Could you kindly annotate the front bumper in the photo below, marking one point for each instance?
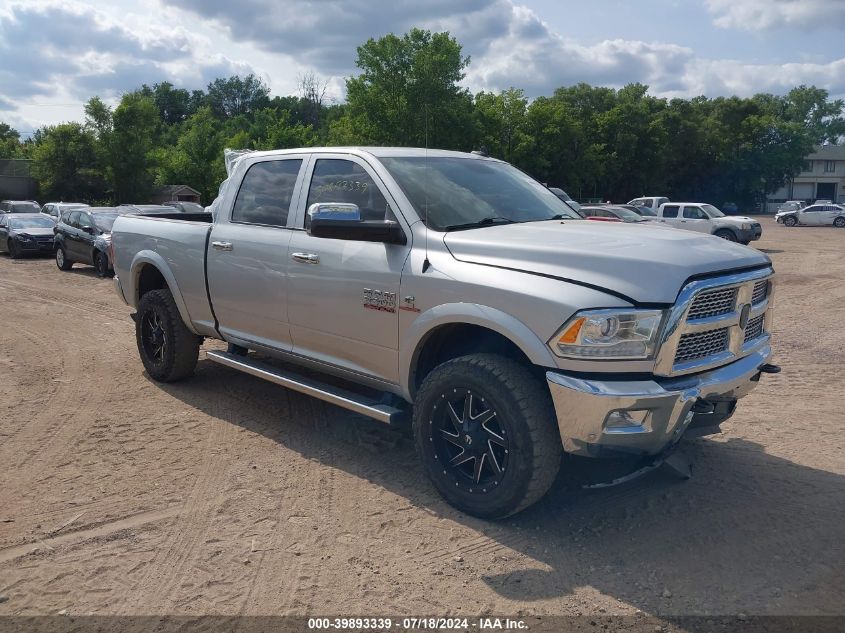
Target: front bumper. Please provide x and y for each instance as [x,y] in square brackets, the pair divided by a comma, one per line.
[598,417]
[752,234]
[34,246]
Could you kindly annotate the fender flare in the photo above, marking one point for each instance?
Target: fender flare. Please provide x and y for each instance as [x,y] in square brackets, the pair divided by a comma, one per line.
[468,314]
[151,258]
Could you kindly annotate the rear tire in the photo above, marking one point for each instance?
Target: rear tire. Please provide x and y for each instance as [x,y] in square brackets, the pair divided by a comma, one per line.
[789,221]
[168,349]
[101,264]
[839,222]
[504,452]
[726,234]
[61,259]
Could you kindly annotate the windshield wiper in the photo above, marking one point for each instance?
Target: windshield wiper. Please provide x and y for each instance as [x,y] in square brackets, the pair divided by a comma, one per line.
[496,219]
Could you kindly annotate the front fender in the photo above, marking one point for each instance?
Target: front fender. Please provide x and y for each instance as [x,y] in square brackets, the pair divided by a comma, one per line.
[151,258]
[473,314]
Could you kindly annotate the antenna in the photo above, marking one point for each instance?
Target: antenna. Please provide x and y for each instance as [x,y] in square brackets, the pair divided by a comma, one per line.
[426,263]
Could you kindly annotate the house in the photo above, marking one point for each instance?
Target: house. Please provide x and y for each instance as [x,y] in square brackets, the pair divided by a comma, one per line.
[822,178]
[176,192]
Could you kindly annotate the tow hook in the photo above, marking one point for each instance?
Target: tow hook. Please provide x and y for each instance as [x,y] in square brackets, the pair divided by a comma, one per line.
[768,368]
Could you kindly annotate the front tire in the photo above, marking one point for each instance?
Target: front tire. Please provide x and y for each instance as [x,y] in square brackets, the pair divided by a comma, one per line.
[14,253]
[168,349]
[61,259]
[839,223]
[726,234]
[789,221]
[101,264]
[485,429]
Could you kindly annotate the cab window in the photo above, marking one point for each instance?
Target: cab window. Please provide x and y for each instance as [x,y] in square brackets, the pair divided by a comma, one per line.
[694,213]
[85,221]
[337,180]
[671,211]
[72,219]
[266,193]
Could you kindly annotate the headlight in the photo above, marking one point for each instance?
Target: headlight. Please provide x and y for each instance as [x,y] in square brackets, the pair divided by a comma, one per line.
[23,237]
[609,334]
[746,226]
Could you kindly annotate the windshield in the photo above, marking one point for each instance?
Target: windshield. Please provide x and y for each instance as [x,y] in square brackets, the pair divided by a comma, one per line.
[104,221]
[712,211]
[450,192]
[25,207]
[31,223]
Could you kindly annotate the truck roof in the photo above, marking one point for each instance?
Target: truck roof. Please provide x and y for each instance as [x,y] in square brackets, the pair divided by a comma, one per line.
[378,152]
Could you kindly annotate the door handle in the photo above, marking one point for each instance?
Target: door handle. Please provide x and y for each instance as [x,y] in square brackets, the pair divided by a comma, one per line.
[305,258]
[222,246]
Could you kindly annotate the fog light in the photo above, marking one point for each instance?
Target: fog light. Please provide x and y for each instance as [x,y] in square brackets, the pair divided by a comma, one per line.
[622,419]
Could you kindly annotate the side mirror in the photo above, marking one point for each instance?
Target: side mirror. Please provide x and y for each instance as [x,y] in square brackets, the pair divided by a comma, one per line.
[342,221]
[88,229]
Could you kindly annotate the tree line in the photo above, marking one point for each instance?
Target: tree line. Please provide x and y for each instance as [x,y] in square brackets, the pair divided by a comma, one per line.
[595,142]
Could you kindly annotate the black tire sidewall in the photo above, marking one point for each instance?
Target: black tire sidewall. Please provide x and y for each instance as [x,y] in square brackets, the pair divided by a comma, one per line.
[505,498]
[157,302]
[66,265]
[790,222]
[13,250]
[839,223]
[102,271]
[726,234]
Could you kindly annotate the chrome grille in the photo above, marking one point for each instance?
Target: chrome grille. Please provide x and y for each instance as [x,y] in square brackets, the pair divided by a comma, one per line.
[712,303]
[761,289]
[754,328]
[701,345]
[704,328]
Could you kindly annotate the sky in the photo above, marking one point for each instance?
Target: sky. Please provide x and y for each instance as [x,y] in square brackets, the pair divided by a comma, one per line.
[54,55]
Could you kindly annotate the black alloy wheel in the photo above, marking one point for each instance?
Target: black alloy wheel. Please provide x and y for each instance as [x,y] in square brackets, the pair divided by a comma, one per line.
[471,442]
[153,337]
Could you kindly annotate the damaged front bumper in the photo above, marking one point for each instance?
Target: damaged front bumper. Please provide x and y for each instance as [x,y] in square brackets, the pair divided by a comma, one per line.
[602,417]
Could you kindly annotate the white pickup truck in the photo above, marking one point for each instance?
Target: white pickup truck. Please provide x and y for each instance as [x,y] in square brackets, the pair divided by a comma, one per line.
[705,218]
[461,291]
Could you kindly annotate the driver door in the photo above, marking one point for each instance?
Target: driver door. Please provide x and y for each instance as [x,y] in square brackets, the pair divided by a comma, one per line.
[344,294]
[695,219]
[810,215]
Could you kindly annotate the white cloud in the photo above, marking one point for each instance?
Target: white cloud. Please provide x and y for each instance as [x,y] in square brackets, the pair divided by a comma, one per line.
[761,15]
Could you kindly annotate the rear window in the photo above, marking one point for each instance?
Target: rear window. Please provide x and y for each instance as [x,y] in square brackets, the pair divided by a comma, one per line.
[105,221]
[266,193]
[25,207]
[671,211]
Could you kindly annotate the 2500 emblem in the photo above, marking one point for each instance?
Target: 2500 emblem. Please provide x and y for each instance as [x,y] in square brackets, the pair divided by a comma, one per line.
[379,300]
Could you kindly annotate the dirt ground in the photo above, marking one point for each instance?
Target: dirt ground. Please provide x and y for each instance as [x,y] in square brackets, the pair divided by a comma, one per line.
[227,495]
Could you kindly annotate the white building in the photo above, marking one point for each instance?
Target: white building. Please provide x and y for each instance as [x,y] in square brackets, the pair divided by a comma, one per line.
[823,178]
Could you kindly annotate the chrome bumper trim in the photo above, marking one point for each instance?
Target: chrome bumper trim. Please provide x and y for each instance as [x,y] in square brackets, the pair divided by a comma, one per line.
[582,406]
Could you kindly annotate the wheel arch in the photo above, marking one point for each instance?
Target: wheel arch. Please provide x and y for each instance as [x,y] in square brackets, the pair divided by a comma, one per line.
[149,272]
[453,330]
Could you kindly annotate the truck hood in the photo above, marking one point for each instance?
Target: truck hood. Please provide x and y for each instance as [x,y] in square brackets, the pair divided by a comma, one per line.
[737,219]
[646,263]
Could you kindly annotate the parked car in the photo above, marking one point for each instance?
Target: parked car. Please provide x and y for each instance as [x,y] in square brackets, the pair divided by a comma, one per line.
[651,202]
[560,193]
[185,207]
[611,213]
[646,212]
[19,206]
[84,236]
[54,209]
[705,218]
[508,327]
[814,215]
[25,233]
[151,209]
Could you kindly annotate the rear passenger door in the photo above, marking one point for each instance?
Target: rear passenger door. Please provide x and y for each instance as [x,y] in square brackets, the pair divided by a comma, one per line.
[669,215]
[248,255]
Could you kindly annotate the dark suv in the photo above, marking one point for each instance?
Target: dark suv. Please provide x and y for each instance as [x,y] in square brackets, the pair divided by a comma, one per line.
[84,235]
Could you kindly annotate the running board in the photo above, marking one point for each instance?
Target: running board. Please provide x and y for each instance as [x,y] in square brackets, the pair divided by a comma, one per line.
[333,395]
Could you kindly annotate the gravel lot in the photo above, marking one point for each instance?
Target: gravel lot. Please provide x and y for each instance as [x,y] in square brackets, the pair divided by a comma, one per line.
[225,494]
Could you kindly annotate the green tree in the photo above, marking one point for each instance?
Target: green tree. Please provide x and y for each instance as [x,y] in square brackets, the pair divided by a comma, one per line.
[237,95]
[65,164]
[10,144]
[135,122]
[197,158]
[408,92]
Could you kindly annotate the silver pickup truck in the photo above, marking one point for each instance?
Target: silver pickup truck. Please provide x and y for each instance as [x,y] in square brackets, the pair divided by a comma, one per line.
[454,289]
